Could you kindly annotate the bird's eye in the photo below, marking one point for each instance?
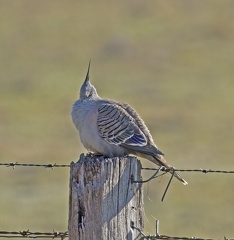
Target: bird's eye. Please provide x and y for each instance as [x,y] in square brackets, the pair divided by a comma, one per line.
[90,93]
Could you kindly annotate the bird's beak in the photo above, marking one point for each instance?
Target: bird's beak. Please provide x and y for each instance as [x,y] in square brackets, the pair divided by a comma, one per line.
[87,75]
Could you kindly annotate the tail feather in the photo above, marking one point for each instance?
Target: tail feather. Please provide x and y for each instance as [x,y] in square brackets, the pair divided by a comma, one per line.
[157,158]
[180,178]
[162,162]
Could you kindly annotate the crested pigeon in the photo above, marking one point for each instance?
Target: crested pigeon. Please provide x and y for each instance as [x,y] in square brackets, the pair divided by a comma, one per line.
[113,129]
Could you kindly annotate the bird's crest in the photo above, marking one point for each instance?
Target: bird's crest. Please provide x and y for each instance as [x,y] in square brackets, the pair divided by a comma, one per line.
[87,90]
[87,75]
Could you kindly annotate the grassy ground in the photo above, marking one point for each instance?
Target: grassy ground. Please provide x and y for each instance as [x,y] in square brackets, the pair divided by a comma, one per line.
[171,60]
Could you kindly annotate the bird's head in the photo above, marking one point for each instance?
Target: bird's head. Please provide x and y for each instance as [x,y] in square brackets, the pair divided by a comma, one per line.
[88,91]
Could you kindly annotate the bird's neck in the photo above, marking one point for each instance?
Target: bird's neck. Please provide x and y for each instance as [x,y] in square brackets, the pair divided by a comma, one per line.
[80,110]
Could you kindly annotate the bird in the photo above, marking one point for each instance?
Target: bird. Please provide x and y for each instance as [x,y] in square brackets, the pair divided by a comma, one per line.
[114,129]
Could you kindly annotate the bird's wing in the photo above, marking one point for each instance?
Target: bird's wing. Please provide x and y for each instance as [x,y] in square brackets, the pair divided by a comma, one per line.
[117,127]
[150,148]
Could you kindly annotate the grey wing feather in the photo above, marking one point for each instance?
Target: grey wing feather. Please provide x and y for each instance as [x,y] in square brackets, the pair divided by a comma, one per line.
[117,127]
[150,148]
[139,121]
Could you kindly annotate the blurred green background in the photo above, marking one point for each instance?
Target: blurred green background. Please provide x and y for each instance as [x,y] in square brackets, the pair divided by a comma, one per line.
[173,61]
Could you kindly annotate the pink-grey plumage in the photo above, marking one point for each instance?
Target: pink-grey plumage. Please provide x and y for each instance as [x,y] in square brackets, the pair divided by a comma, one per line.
[112,128]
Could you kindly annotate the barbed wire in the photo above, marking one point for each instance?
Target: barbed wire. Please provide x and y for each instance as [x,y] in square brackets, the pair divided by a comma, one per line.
[49,165]
[166,237]
[155,175]
[172,170]
[164,169]
[191,170]
[34,235]
[63,235]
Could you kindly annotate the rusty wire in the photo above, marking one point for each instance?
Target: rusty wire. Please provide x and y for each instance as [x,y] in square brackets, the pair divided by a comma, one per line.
[166,237]
[190,170]
[33,235]
[49,165]
[63,235]
[163,169]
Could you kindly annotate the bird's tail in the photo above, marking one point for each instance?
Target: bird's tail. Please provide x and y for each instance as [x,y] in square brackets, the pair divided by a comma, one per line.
[178,177]
[159,160]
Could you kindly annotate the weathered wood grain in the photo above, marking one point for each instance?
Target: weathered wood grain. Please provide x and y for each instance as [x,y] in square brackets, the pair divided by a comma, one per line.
[103,202]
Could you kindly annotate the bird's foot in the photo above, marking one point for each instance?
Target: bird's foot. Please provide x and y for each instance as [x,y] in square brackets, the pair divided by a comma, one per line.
[98,155]
[92,154]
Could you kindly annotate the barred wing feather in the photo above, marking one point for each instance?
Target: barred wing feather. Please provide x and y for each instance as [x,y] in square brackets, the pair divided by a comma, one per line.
[117,127]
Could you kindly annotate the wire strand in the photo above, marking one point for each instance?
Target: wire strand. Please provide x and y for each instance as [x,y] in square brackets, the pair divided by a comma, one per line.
[49,165]
[192,170]
[29,234]
[55,165]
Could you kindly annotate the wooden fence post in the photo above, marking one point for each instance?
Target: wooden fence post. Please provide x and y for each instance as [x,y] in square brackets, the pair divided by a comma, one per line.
[103,202]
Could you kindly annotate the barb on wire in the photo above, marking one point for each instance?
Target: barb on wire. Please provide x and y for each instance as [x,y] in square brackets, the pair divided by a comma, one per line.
[49,165]
[166,237]
[162,168]
[192,170]
[173,170]
[28,234]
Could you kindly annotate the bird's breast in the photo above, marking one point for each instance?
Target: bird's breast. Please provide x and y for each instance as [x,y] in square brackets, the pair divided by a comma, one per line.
[85,120]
